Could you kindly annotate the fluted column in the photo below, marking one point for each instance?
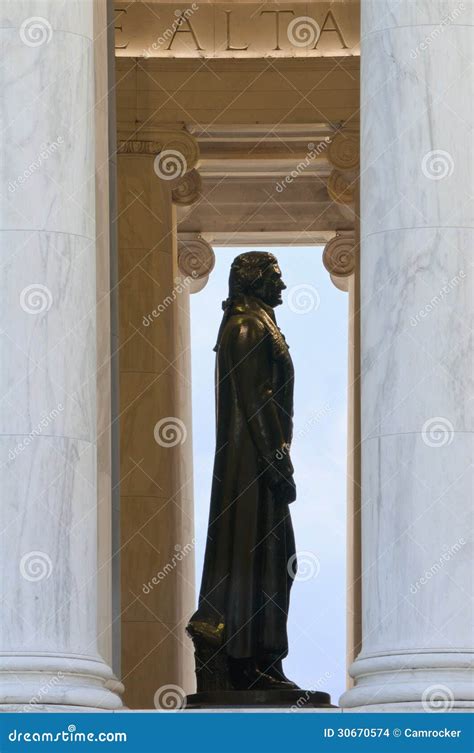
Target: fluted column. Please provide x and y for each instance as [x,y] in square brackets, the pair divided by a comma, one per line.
[157,528]
[416,355]
[48,449]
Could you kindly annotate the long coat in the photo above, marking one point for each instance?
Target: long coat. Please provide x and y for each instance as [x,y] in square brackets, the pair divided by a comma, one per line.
[250,552]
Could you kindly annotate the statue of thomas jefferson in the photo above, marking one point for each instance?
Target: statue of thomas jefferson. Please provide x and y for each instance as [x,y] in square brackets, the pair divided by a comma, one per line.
[240,627]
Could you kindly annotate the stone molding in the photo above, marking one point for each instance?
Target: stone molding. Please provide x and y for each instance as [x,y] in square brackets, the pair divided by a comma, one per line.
[155,141]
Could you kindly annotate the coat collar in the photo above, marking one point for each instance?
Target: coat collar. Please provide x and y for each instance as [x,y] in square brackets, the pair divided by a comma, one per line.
[245,304]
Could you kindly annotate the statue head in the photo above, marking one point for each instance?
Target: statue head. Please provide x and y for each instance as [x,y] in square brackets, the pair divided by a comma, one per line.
[256,273]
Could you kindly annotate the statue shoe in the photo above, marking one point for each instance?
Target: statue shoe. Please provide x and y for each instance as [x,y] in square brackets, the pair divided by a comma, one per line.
[264,681]
[281,679]
[246,676]
[273,668]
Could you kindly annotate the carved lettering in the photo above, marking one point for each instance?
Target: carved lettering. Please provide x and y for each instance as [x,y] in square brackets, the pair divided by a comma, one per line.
[335,30]
[238,34]
[277,23]
[229,45]
[120,28]
[181,20]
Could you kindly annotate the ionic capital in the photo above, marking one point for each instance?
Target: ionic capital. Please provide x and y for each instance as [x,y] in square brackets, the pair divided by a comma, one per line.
[196,259]
[188,189]
[343,150]
[339,258]
[176,151]
[341,187]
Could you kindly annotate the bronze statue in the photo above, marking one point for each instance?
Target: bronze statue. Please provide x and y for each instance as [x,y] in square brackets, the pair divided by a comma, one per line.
[240,627]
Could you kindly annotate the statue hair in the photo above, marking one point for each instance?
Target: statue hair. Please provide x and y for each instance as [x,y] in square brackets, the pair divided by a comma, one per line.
[247,270]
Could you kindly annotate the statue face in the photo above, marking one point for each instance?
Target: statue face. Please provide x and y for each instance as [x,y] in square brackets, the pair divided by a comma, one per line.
[271,286]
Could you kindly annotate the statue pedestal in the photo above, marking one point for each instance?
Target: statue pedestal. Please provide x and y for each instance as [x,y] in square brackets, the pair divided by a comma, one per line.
[294,699]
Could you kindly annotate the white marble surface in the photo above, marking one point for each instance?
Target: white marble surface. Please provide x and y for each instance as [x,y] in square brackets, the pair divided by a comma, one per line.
[47,119]
[415,107]
[47,310]
[48,454]
[416,320]
[383,14]
[417,546]
[417,223]
[62,15]
[48,507]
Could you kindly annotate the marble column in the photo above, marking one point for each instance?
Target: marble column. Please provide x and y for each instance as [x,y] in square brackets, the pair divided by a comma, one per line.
[157,528]
[416,358]
[48,419]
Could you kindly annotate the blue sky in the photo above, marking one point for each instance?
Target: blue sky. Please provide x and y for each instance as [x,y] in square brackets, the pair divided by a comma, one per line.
[313,318]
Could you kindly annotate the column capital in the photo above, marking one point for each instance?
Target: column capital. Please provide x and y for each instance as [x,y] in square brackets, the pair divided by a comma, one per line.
[196,259]
[343,151]
[341,187]
[178,150]
[187,189]
[344,155]
[339,258]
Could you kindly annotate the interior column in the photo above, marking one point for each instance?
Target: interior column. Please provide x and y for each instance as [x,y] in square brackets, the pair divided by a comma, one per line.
[157,531]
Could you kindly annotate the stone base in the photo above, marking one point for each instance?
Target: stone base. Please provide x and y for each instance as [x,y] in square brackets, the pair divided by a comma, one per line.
[299,699]
[57,682]
[421,681]
[458,707]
